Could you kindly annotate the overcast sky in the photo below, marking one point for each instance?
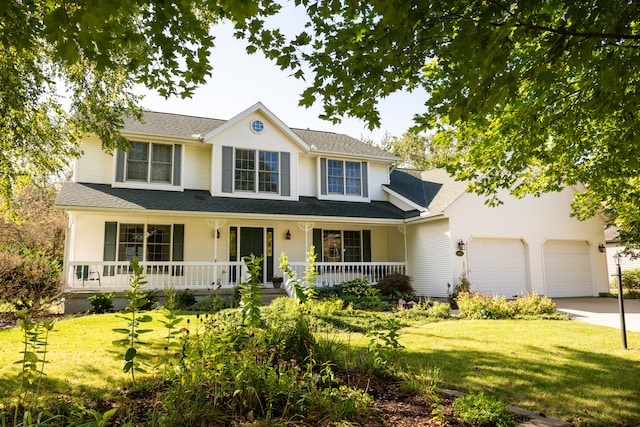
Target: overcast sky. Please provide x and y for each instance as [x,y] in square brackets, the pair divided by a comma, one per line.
[240,80]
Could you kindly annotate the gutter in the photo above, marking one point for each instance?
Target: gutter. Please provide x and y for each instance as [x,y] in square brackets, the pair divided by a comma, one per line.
[235,215]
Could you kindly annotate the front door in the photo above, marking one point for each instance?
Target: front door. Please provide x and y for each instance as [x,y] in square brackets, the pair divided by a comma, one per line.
[252,242]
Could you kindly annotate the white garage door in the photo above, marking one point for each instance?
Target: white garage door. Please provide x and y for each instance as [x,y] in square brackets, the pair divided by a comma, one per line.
[497,266]
[567,268]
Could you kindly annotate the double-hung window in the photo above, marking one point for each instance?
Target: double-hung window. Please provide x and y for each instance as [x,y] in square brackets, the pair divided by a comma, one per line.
[150,242]
[344,177]
[148,162]
[342,246]
[256,171]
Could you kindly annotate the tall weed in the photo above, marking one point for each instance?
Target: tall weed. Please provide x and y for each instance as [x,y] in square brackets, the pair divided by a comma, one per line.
[137,299]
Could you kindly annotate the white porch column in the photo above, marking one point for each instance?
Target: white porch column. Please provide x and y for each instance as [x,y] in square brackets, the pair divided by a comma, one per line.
[403,230]
[215,225]
[69,244]
[306,227]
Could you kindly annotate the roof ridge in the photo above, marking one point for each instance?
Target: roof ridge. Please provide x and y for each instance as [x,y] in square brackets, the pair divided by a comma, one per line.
[184,115]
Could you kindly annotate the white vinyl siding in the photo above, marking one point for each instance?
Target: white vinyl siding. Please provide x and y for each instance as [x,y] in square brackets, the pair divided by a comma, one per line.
[430,258]
[197,167]
[94,166]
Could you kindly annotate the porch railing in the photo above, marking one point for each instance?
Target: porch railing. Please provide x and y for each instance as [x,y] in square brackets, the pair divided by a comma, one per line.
[91,275]
[333,273]
[159,275]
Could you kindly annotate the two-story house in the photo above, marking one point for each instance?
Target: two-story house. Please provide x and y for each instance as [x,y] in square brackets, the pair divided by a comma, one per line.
[193,196]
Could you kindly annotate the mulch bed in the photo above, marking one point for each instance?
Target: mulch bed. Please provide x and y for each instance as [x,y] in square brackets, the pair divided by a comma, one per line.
[396,407]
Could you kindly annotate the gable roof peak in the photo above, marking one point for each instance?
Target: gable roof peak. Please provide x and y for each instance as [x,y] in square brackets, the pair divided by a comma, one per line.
[259,106]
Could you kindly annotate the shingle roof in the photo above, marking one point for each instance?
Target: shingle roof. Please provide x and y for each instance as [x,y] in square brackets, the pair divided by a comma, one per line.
[434,189]
[103,196]
[177,125]
[340,143]
[167,124]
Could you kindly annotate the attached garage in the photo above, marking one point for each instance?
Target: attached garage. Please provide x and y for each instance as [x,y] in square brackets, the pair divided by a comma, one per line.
[498,266]
[567,268]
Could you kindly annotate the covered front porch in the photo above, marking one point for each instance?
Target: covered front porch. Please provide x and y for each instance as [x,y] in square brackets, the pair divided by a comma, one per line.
[92,276]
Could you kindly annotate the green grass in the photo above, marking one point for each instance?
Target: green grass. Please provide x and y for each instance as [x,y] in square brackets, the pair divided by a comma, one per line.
[570,370]
[81,356]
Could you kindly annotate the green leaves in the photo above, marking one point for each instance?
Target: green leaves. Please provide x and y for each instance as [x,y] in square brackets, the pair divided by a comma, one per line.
[531,97]
[96,52]
[137,299]
[250,295]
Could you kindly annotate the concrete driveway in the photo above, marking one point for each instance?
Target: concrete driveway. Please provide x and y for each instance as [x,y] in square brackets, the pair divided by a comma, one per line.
[601,311]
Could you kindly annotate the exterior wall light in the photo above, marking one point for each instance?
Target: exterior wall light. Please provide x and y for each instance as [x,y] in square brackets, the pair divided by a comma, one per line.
[287,235]
[217,234]
[601,248]
[461,245]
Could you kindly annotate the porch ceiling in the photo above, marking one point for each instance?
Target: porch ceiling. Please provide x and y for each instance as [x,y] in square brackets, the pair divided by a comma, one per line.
[102,196]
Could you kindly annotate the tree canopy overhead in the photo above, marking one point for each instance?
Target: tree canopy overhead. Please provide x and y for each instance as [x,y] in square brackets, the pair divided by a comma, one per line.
[525,95]
[96,51]
[532,95]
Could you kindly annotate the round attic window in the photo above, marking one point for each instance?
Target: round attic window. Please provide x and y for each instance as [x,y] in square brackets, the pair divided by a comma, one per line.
[257,126]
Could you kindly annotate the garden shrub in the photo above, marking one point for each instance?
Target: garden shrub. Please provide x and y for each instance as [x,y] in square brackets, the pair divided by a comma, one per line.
[533,305]
[215,303]
[359,293]
[185,299]
[479,306]
[439,310]
[631,279]
[463,286]
[152,300]
[28,275]
[357,288]
[426,309]
[483,410]
[261,373]
[101,303]
[395,285]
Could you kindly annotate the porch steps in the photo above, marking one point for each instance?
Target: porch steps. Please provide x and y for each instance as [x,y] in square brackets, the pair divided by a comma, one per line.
[269,294]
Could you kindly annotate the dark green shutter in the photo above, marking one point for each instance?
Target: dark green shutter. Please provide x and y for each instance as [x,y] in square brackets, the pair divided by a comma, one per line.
[323,176]
[366,245]
[317,242]
[365,180]
[285,174]
[227,169]
[109,251]
[178,249]
[119,166]
[177,164]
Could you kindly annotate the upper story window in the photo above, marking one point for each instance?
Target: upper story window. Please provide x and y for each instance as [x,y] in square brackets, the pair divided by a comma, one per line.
[344,177]
[256,171]
[257,126]
[148,162]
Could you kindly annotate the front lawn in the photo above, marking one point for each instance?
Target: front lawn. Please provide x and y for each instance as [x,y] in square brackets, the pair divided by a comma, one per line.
[565,369]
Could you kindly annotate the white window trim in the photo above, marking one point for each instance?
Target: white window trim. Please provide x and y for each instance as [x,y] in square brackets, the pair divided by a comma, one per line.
[256,173]
[142,185]
[339,196]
